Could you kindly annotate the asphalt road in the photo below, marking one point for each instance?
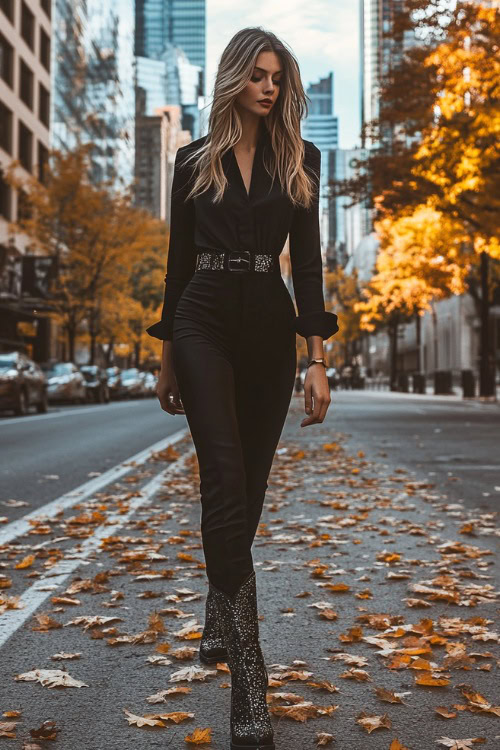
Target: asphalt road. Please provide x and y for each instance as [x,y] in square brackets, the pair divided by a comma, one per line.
[383,441]
[451,442]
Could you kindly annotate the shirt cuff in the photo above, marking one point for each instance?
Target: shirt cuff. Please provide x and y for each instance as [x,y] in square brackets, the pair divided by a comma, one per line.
[160,330]
[319,323]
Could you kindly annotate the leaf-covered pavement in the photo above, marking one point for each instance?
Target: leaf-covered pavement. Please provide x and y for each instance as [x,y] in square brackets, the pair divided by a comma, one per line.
[377,598]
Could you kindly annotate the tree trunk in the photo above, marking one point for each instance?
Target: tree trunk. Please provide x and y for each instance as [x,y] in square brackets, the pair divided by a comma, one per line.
[418,325]
[486,373]
[393,341]
[137,354]
[435,335]
[109,352]
[71,342]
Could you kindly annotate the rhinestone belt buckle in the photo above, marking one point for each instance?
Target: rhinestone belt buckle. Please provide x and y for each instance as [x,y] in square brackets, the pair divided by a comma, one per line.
[239,260]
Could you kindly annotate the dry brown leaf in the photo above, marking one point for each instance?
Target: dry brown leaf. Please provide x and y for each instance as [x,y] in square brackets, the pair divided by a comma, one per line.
[48,731]
[324,738]
[445,712]
[142,721]
[431,680]
[26,562]
[175,716]
[396,745]
[388,695]
[356,674]
[8,729]
[62,656]
[50,678]
[370,722]
[324,685]
[46,622]
[460,744]
[199,737]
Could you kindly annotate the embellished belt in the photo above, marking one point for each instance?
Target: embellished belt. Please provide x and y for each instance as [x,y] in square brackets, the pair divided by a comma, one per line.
[234,260]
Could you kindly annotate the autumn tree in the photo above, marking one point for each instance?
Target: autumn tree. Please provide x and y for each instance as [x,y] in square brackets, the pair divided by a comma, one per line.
[437,134]
[420,261]
[95,236]
[342,290]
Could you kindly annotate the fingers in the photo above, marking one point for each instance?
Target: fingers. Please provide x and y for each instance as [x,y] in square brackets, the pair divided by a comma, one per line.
[170,400]
[316,406]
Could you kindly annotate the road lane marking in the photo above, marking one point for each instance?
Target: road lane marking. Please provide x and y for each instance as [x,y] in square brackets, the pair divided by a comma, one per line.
[52,508]
[32,598]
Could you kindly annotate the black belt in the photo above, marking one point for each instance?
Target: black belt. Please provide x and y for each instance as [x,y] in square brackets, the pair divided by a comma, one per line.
[235,260]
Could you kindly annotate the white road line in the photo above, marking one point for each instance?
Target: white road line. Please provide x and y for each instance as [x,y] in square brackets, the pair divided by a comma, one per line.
[49,510]
[32,598]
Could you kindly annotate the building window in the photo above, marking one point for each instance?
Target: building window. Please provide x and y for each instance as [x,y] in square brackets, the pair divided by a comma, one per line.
[43,157]
[7,6]
[25,84]
[43,105]
[6,60]
[5,198]
[5,128]
[44,49]
[25,148]
[46,6]
[27,25]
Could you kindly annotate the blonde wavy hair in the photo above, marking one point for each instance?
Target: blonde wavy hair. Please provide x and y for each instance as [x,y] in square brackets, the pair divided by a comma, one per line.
[235,69]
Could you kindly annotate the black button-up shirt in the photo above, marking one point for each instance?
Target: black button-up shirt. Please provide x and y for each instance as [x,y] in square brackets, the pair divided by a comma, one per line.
[258,221]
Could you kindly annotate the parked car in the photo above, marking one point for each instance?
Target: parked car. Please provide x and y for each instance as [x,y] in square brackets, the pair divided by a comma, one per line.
[115,385]
[133,383]
[65,382]
[96,383]
[22,384]
[150,381]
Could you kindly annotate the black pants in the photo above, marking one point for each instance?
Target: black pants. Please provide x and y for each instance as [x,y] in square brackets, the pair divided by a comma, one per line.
[234,357]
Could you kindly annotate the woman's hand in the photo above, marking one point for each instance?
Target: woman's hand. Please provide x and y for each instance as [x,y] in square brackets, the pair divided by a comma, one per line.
[316,395]
[167,391]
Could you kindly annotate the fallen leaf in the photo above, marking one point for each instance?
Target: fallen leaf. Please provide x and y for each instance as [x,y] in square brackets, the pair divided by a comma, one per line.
[460,744]
[142,721]
[48,731]
[8,729]
[445,712]
[26,562]
[50,678]
[199,737]
[324,738]
[370,722]
[388,695]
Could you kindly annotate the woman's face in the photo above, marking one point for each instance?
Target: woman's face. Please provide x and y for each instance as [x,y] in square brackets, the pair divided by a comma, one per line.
[263,85]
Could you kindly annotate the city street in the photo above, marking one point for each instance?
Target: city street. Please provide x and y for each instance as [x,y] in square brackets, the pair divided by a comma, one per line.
[376,584]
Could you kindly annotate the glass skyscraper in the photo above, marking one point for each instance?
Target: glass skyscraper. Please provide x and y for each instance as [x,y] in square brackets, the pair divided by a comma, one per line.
[181,23]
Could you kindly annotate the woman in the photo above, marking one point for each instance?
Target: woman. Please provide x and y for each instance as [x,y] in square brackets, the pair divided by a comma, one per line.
[228,325]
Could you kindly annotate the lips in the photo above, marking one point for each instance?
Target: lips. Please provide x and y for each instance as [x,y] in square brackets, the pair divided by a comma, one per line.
[265,101]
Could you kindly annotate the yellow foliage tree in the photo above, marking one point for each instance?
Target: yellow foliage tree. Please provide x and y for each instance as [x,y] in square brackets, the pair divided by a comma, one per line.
[95,236]
[421,260]
[342,289]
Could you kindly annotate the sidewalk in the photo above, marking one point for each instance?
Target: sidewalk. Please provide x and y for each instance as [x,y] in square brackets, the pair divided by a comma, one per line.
[375,594]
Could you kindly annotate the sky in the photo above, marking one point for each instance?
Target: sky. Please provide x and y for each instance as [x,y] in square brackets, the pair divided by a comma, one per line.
[323,34]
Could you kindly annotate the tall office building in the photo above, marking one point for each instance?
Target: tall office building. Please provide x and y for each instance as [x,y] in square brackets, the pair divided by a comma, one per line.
[93,83]
[25,91]
[182,23]
[321,127]
[378,52]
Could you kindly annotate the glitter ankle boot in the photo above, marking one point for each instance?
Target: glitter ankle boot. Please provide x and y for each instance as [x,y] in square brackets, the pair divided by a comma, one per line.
[212,646]
[250,721]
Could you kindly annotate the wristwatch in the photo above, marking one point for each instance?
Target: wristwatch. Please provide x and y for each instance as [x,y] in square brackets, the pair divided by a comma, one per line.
[319,360]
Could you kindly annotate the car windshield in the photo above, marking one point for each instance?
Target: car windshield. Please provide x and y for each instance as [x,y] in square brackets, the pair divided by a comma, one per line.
[61,368]
[89,374]
[132,373]
[7,363]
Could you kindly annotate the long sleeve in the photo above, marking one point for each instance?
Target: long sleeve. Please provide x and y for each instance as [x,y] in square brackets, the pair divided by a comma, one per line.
[181,255]
[306,261]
